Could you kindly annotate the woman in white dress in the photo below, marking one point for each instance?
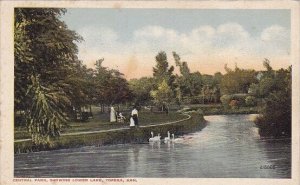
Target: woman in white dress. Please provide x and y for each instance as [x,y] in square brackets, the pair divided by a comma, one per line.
[131,122]
[113,117]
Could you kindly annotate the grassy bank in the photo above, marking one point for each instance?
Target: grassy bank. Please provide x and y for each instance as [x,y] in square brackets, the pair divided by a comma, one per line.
[100,121]
[135,135]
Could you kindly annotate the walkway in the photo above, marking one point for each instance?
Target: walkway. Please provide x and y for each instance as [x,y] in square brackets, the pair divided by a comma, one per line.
[112,130]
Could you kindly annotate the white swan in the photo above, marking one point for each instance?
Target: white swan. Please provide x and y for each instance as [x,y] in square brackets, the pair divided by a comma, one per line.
[157,138]
[152,138]
[177,140]
[167,139]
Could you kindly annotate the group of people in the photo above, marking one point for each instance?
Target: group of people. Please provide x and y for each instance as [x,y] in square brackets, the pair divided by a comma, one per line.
[134,121]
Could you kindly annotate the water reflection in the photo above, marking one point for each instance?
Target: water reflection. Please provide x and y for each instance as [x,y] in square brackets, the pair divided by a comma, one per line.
[228,147]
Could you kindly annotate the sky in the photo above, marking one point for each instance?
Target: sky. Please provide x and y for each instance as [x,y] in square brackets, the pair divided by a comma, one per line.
[129,39]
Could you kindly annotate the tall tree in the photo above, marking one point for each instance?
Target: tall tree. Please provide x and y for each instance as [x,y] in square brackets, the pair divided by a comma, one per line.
[162,71]
[111,87]
[45,57]
[189,83]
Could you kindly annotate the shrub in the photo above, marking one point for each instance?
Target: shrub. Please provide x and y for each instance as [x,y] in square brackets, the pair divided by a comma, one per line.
[251,101]
[240,100]
[233,104]
[225,99]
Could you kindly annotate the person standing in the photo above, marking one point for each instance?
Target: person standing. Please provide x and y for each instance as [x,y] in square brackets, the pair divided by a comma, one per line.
[131,122]
[113,117]
[134,114]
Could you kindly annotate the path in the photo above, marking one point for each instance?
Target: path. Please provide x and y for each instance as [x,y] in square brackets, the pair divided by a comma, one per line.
[112,130]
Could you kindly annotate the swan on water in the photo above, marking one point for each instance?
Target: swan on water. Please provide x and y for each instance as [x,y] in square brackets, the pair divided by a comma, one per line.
[177,140]
[157,138]
[154,139]
[151,139]
[167,139]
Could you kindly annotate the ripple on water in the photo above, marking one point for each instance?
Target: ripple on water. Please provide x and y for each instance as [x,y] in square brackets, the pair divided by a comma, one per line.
[229,146]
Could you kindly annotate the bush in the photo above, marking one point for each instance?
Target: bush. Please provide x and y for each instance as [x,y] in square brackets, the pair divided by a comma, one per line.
[233,104]
[251,101]
[240,99]
[225,99]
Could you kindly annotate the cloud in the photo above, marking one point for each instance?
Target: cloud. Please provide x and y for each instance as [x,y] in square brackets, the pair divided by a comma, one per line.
[275,39]
[275,33]
[202,45]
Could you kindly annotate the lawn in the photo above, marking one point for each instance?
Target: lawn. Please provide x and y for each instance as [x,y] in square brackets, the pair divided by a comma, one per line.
[100,121]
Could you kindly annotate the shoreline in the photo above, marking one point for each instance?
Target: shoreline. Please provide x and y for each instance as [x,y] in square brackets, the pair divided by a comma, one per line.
[192,123]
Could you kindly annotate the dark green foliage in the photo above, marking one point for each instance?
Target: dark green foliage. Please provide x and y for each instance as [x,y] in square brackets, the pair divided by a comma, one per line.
[164,92]
[110,86]
[162,71]
[275,119]
[237,80]
[141,89]
[45,57]
[250,101]
[189,84]
[163,96]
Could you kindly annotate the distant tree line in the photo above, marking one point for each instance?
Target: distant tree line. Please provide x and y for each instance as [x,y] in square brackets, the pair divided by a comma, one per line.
[166,88]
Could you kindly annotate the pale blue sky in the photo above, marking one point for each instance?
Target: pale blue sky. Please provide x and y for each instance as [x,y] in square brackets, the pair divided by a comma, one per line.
[125,21]
[207,39]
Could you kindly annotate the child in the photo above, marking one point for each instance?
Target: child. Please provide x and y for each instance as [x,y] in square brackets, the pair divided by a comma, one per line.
[131,122]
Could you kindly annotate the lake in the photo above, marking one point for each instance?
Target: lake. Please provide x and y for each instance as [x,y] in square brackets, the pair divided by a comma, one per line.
[229,146]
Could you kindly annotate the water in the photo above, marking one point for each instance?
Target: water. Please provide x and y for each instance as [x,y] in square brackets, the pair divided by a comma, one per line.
[229,146]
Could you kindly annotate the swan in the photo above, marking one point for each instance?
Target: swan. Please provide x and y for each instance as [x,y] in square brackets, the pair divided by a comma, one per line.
[167,139]
[154,139]
[177,140]
[157,138]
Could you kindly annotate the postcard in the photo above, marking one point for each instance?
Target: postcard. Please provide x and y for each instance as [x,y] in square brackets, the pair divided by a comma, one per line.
[150,92]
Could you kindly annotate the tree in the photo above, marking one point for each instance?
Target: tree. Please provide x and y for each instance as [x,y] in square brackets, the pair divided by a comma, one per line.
[110,86]
[275,90]
[268,82]
[162,71]
[183,67]
[190,84]
[237,80]
[163,95]
[141,89]
[45,56]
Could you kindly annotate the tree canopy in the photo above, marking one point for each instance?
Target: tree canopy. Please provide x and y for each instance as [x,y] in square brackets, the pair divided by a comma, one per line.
[274,88]
[237,80]
[190,84]
[162,71]
[45,54]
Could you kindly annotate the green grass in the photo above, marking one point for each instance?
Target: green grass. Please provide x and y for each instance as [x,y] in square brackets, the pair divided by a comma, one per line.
[134,135]
[100,121]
